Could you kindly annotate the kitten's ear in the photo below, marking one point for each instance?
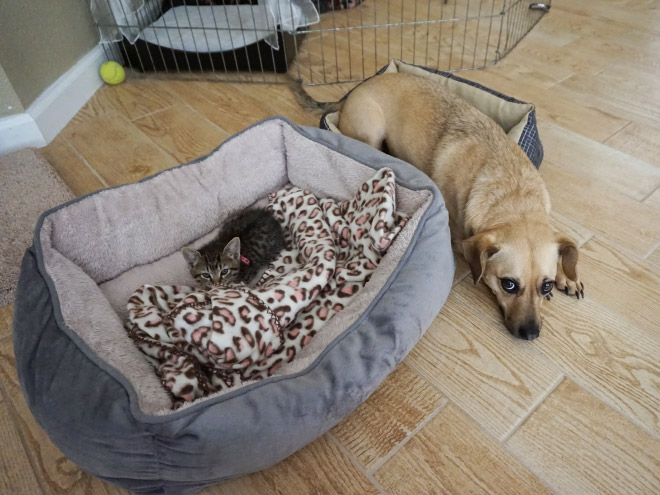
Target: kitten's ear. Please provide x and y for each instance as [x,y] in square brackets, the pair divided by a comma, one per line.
[233,249]
[191,255]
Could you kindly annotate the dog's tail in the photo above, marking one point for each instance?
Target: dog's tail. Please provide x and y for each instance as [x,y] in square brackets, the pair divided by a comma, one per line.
[306,101]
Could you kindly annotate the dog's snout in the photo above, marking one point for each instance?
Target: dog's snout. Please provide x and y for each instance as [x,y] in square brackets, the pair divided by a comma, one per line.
[529,331]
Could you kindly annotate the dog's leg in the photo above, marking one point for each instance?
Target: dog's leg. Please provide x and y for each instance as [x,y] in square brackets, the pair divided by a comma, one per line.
[566,285]
[363,119]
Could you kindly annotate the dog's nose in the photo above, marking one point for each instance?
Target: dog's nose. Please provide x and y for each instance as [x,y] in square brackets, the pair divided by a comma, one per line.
[529,331]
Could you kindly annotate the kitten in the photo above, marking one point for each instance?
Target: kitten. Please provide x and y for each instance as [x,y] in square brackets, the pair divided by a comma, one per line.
[246,244]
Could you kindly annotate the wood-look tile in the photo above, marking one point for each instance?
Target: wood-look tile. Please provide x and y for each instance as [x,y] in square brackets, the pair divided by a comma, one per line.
[470,357]
[117,150]
[653,200]
[610,355]
[635,84]
[570,228]
[74,171]
[622,282]
[182,132]
[578,445]
[634,47]
[624,173]
[99,104]
[452,455]
[321,468]
[535,73]
[136,98]
[549,36]
[221,103]
[57,474]
[639,140]
[462,268]
[280,97]
[394,410]
[634,15]
[16,474]
[607,96]
[584,23]
[6,320]
[588,120]
[587,64]
[654,257]
[589,9]
[599,208]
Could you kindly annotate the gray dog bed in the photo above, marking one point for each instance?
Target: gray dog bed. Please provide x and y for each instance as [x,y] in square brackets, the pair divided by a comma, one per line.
[97,397]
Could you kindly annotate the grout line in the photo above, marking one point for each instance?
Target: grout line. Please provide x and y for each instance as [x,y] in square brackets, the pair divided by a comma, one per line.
[149,114]
[649,195]
[533,471]
[609,403]
[205,118]
[653,249]
[579,383]
[498,443]
[557,83]
[624,250]
[598,73]
[77,153]
[459,280]
[356,463]
[532,409]
[152,141]
[589,237]
[614,134]
[383,460]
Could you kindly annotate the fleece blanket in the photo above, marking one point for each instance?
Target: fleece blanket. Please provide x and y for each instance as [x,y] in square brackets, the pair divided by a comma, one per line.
[201,342]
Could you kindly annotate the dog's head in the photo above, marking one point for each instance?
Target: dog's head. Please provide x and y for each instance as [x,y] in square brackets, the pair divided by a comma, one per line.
[518,262]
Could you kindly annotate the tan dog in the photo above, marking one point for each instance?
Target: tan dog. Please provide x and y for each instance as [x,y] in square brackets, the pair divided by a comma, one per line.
[497,202]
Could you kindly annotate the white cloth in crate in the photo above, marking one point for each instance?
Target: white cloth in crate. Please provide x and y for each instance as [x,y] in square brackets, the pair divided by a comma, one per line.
[201,28]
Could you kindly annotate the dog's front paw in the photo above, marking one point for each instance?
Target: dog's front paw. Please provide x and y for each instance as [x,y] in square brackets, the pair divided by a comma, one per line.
[569,287]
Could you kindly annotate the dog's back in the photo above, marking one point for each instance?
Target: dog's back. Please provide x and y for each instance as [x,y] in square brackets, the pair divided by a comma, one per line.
[413,116]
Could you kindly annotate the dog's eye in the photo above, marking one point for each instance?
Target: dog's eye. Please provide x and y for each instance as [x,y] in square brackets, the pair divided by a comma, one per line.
[206,275]
[547,287]
[224,271]
[509,285]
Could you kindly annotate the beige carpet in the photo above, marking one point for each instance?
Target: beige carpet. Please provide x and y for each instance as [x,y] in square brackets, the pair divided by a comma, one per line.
[28,187]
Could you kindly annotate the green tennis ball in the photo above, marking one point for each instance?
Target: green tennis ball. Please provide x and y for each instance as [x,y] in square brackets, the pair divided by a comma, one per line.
[112,73]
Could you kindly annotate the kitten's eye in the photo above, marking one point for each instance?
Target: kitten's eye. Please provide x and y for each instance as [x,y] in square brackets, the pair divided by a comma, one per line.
[206,275]
[509,285]
[547,287]
[224,271]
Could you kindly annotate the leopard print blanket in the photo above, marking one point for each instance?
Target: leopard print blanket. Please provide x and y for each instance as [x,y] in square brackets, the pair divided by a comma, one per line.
[201,342]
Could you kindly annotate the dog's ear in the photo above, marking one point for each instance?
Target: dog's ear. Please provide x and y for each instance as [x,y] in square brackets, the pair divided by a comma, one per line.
[477,249]
[569,256]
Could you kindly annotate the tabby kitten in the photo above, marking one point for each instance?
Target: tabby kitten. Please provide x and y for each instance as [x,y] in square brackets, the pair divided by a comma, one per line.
[246,244]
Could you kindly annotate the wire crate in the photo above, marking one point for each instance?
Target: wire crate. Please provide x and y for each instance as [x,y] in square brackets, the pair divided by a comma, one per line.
[318,41]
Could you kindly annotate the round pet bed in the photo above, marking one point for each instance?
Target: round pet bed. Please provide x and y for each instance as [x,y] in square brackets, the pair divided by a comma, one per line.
[97,397]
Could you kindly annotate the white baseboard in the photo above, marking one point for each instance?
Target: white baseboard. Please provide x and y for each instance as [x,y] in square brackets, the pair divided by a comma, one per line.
[55,107]
[19,131]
